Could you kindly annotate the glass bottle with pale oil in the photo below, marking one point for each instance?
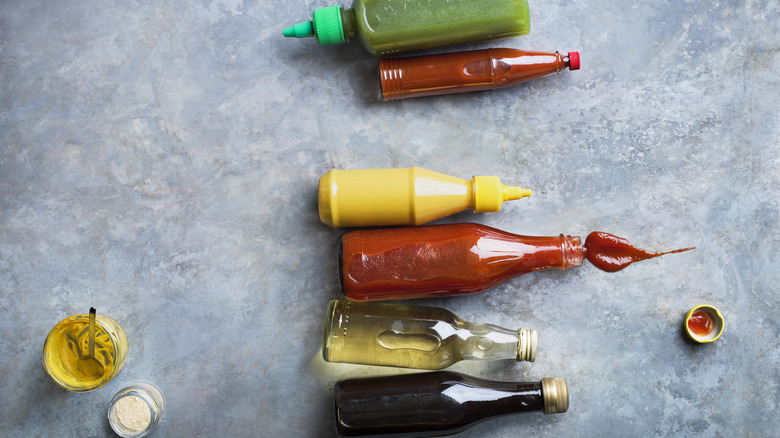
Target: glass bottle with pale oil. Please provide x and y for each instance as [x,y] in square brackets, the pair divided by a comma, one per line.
[416,337]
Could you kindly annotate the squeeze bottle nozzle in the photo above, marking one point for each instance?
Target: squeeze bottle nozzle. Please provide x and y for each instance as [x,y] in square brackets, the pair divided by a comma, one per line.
[512,193]
[489,193]
[325,25]
[300,30]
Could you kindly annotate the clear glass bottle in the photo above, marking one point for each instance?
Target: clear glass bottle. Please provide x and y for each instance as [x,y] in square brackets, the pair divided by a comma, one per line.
[385,27]
[416,337]
[438,403]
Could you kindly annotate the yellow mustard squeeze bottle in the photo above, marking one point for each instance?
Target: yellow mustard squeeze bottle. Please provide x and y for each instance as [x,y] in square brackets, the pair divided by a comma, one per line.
[408,196]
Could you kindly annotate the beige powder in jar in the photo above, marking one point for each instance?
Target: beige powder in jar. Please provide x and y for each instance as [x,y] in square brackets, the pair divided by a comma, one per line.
[132,413]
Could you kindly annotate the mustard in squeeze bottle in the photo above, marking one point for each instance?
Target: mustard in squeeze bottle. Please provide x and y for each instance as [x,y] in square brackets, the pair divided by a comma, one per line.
[408,196]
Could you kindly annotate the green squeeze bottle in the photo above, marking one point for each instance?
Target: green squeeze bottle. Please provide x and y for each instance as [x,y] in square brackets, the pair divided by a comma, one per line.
[387,27]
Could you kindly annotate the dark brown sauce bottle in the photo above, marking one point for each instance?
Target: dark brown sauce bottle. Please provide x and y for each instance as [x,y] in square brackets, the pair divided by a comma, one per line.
[438,403]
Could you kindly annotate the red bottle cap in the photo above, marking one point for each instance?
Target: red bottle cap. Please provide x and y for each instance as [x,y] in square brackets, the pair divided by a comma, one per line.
[574,60]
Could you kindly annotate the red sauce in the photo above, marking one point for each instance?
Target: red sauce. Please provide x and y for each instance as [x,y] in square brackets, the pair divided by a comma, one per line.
[438,260]
[456,259]
[457,72]
[611,253]
[700,323]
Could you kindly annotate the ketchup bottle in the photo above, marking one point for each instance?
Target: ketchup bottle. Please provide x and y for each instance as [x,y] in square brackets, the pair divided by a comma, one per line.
[467,71]
[456,259]
[439,260]
[438,403]
[385,27]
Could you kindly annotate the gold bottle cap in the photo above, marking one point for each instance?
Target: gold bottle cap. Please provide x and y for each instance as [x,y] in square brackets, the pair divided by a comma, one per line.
[526,348]
[555,394]
[704,323]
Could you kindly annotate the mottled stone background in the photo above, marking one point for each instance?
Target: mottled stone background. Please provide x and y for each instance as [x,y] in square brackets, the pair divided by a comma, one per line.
[159,161]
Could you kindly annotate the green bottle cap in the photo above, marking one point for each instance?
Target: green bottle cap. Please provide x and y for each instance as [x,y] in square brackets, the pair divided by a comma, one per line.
[325,25]
[328,26]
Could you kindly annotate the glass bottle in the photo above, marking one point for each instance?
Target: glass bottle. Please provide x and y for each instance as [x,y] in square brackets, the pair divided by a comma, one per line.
[475,70]
[405,196]
[443,260]
[438,403]
[416,337]
[385,27]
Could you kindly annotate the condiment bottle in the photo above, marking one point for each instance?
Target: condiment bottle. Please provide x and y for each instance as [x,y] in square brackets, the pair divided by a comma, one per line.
[442,260]
[416,337]
[386,27]
[467,71]
[438,403]
[409,196]
[456,259]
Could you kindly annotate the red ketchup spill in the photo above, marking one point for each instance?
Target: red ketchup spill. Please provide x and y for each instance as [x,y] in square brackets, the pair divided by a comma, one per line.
[701,323]
[612,253]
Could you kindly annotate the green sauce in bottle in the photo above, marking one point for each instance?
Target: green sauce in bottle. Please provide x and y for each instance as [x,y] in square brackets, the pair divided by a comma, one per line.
[387,27]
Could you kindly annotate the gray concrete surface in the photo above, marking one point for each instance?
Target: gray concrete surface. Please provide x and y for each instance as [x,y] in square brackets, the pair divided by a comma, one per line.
[159,162]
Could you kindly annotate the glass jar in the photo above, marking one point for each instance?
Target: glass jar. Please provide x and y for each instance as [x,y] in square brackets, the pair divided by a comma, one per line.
[136,410]
[68,342]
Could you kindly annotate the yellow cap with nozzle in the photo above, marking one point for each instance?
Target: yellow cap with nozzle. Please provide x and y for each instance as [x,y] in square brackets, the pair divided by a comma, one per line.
[489,193]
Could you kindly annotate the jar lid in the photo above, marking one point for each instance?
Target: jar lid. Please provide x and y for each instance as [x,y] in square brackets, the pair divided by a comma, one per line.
[704,323]
[526,347]
[556,395]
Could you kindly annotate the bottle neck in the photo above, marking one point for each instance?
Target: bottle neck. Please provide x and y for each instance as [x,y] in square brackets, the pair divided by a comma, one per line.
[561,62]
[523,66]
[550,395]
[490,342]
[503,254]
[501,398]
[572,251]
[349,23]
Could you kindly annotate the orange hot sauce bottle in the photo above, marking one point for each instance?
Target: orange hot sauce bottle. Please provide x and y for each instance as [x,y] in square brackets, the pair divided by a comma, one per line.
[457,259]
[459,72]
[444,260]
